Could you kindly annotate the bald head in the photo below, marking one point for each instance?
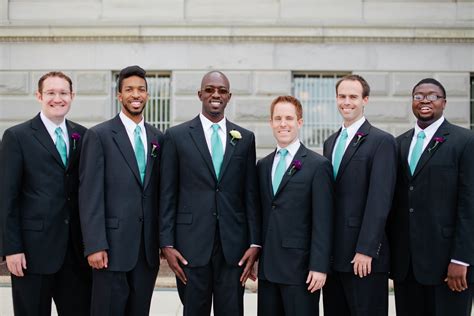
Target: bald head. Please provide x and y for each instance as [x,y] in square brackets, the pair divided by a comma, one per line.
[214,75]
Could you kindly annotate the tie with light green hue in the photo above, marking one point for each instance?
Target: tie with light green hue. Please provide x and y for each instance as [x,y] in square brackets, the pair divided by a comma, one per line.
[217,149]
[61,145]
[339,153]
[139,152]
[417,150]
[279,170]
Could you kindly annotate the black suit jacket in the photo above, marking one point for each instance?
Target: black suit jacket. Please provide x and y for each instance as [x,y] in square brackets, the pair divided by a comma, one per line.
[432,219]
[297,220]
[194,202]
[363,195]
[38,196]
[117,211]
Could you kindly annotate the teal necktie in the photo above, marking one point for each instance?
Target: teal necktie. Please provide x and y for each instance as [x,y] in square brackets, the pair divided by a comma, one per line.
[279,170]
[139,152]
[339,153]
[417,150]
[217,150]
[61,145]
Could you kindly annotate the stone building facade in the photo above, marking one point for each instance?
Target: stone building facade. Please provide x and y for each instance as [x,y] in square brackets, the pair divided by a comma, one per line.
[262,46]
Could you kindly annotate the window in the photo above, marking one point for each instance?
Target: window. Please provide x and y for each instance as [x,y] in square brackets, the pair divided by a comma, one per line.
[157,110]
[316,92]
[472,101]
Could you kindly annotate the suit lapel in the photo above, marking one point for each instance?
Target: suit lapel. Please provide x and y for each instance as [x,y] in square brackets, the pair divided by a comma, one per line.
[353,146]
[330,145]
[431,149]
[300,155]
[268,173]
[73,144]
[41,134]
[229,148]
[404,150]
[123,143]
[150,138]
[197,134]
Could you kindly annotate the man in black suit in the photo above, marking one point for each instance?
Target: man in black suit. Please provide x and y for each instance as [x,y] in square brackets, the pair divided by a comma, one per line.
[431,225]
[209,213]
[118,203]
[40,231]
[364,163]
[296,193]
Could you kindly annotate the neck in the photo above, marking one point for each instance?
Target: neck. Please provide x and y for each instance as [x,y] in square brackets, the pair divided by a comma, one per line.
[424,124]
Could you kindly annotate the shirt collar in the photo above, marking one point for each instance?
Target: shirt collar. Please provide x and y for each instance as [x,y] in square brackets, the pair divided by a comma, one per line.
[51,126]
[430,130]
[292,148]
[131,125]
[206,123]
[352,130]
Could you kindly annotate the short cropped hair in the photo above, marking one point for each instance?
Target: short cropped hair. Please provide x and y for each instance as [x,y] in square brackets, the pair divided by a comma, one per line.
[365,85]
[129,72]
[51,74]
[287,99]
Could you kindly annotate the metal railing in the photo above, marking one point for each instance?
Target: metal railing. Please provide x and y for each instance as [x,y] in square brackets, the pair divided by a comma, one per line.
[317,95]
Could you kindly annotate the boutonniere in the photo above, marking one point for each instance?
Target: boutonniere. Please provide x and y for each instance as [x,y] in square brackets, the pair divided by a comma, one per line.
[155,146]
[360,138]
[75,138]
[295,166]
[437,141]
[235,135]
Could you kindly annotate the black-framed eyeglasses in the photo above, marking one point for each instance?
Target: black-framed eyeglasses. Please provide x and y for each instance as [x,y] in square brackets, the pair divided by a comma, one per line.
[430,97]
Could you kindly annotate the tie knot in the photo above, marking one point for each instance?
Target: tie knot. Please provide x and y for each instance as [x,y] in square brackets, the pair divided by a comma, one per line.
[283,152]
[421,135]
[215,127]
[344,134]
[138,130]
[58,131]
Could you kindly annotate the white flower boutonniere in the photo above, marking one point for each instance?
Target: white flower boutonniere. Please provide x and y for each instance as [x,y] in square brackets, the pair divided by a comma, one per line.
[235,136]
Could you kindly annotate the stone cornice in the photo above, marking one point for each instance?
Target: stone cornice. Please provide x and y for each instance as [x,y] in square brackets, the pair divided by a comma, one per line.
[350,34]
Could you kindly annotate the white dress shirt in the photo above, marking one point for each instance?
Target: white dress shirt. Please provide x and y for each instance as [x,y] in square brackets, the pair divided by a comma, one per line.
[429,133]
[292,149]
[207,127]
[130,128]
[51,128]
[351,131]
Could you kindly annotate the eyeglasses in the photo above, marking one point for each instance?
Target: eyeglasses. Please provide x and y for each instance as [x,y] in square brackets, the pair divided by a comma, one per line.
[60,94]
[211,90]
[430,97]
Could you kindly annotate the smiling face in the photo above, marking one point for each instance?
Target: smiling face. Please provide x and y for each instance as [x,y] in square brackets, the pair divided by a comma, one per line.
[133,97]
[285,123]
[214,95]
[55,98]
[426,111]
[350,102]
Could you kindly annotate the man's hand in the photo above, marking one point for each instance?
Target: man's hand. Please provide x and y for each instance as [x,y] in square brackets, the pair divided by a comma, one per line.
[174,258]
[16,263]
[456,277]
[98,260]
[249,258]
[315,281]
[362,265]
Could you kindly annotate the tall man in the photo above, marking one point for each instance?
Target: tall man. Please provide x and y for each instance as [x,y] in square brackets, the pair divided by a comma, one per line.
[364,163]
[40,231]
[209,222]
[118,203]
[296,193]
[431,225]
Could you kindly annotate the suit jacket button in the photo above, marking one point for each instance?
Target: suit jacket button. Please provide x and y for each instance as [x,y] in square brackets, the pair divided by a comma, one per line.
[140,219]
[217,190]
[274,206]
[66,221]
[411,188]
[411,210]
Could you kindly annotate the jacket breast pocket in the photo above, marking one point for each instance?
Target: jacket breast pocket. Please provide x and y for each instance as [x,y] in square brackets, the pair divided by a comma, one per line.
[32,224]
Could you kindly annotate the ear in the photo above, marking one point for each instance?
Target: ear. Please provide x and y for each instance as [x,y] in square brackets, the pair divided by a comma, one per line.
[300,122]
[200,95]
[365,100]
[39,96]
